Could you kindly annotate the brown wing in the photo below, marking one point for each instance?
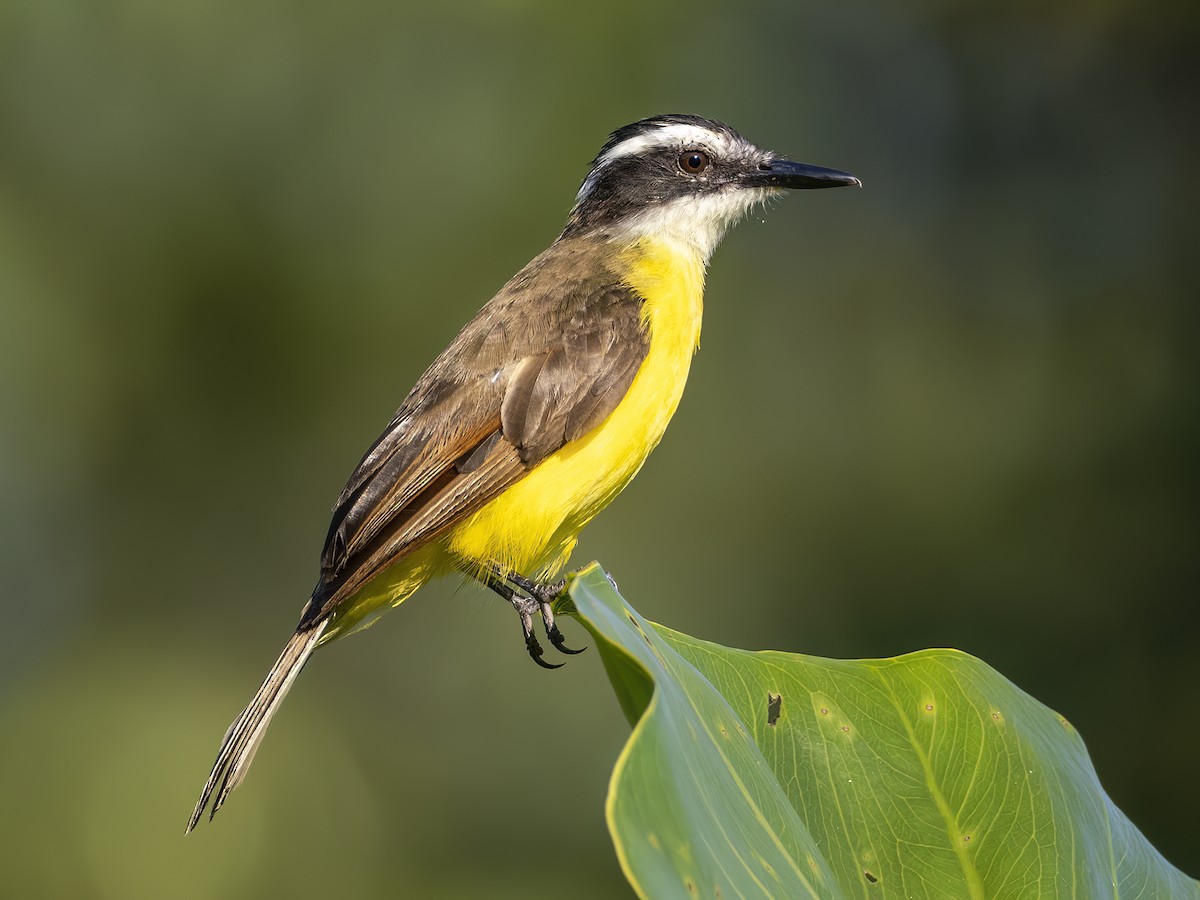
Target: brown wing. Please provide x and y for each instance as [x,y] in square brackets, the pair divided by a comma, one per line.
[542,364]
[564,392]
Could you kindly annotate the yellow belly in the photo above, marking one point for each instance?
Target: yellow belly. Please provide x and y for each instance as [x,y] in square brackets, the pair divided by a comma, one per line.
[532,527]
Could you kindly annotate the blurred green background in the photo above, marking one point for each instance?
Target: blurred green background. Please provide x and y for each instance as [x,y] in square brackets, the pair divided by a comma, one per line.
[956,408]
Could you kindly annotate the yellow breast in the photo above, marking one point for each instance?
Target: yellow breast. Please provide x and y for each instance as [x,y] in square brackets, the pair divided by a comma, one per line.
[532,527]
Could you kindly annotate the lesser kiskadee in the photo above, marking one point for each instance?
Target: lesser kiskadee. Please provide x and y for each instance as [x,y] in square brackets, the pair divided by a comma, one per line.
[542,408]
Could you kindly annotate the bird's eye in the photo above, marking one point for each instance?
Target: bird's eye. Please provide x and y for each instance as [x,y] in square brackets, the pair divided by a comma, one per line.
[693,162]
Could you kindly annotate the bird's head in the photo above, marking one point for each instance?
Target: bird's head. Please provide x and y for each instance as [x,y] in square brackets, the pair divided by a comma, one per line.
[684,178]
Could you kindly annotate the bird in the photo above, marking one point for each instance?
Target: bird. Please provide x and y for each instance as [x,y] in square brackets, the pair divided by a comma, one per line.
[542,408]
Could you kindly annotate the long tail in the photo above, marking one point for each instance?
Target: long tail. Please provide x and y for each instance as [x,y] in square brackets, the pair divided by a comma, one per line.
[246,732]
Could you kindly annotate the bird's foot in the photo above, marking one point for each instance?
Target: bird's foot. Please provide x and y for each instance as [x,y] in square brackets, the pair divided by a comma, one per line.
[535,598]
[526,607]
[544,595]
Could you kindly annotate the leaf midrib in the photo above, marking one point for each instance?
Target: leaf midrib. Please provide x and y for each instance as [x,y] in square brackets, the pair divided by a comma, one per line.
[971,875]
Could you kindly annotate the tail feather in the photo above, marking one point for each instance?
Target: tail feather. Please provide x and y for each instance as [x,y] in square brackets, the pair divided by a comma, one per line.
[244,735]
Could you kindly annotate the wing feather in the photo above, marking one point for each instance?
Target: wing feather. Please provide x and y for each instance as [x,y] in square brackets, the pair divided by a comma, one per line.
[542,364]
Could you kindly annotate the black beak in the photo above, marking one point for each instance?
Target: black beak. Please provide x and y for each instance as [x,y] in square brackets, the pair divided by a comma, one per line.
[783,173]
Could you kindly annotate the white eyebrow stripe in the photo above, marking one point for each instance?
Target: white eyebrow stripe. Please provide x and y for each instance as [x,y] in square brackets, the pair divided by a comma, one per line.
[676,135]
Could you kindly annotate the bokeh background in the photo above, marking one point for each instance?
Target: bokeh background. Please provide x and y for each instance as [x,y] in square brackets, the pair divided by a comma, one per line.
[956,408]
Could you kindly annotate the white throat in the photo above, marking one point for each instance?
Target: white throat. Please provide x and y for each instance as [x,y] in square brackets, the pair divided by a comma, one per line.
[698,221]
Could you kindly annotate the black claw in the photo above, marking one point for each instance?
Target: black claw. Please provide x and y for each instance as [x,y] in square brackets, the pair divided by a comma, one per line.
[535,653]
[532,645]
[552,631]
[557,639]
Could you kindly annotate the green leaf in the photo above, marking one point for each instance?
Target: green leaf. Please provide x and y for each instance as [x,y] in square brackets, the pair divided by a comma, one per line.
[786,776]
